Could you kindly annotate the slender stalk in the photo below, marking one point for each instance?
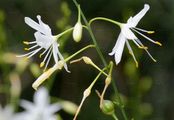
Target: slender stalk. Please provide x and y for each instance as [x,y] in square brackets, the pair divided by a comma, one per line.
[102,58]
[64,32]
[104,19]
[70,57]
[115,117]
[91,34]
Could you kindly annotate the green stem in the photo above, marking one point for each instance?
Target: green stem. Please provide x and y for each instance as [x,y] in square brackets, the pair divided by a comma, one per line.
[70,57]
[103,59]
[105,19]
[64,32]
[95,66]
[94,81]
[79,14]
[114,116]
[91,34]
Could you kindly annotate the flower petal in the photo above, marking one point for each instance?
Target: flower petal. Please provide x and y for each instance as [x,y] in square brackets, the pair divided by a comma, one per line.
[27,105]
[33,24]
[133,21]
[54,108]
[57,52]
[118,48]
[45,28]
[43,40]
[41,98]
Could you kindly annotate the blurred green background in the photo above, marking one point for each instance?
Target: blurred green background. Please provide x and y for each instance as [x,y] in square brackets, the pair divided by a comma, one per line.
[147,91]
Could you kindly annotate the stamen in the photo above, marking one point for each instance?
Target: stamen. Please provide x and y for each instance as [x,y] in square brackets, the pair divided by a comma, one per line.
[147,31]
[26,49]
[151,32]
[150,56]
[30,48]
[48,61]
[146,50]
[35,51]
[143,47]
[43,53]
[140,43]
[43,62]
[28,43]
[156,42]
[26,54]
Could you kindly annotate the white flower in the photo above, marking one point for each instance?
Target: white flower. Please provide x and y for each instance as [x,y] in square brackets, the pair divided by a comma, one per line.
[127,34]
[6,113]
[44,41]
[41,109]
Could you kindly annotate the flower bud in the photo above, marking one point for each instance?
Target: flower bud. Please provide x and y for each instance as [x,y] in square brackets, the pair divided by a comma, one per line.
[87,60]
[107,107]
[77,32]
[47,74]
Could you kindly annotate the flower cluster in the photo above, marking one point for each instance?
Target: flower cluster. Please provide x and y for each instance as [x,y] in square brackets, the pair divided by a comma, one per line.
[46,42]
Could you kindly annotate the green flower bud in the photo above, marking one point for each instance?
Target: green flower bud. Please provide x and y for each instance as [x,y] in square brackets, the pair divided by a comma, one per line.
[107,107]
[77,32]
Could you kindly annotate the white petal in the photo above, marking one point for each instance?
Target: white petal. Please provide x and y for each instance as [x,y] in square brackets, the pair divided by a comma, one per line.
[55,52]
[54,108]
[45,28]
[43,40]
[65,65]
[41,97]
[133,21]
[127,32]
[33,24]
[27,105]
[118,48]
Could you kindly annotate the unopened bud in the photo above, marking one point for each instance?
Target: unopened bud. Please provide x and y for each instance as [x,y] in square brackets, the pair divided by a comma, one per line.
[47,74]
[107,107]
[87,60]
[108,80]
[77,32]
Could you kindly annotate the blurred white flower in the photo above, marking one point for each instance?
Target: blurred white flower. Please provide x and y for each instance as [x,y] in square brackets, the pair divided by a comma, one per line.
[41,109]
[44,40]
[6,113]
[127,34]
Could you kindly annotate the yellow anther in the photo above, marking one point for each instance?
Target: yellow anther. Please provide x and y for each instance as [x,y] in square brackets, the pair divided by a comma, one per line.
[40,55]
[158,43]
[25,42]
[143,47]
[26,49]
[154,60]
[26,58]
[136,64]
[42,64]
[151,32]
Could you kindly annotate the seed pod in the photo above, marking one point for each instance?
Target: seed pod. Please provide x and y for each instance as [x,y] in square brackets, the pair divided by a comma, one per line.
[107,107]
